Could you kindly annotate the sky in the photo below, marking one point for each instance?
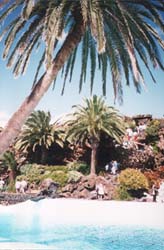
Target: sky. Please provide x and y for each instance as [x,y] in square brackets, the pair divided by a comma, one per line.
[13,92]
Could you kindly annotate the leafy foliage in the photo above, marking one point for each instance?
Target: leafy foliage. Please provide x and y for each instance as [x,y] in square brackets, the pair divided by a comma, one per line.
[81,167]
[74,176]
[152,131]
[35,173]
[8,160]
[122,194]
[91,119]
[155,176]
[38,133]
[132,179]
[122,32]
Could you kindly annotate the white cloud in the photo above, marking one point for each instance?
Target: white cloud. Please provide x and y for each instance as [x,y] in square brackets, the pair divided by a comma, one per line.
[4,117]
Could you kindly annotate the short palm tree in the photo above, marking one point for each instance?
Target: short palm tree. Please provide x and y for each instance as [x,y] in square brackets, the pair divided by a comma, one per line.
[89,121]
[38,135]
[8,160]
[108,34]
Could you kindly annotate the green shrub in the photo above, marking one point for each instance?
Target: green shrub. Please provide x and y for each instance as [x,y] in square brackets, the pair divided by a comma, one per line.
[56,168]
[59,177]
[25,169]
[35,173]
[74,176]
[152,131]
[22,177]
[122,194]
[132,179]
[81,167]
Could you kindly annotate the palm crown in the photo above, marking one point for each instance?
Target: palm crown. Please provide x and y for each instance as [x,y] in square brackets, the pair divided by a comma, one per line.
[94,117]
[38,132]
[122,31]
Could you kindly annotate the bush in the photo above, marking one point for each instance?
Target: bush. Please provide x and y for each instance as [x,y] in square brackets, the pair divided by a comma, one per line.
[74,176]
[35,173]
[81,167]
[122,194]
[25,169]
[59,177]
[132,183]
[56,168]
[132,179]
[152,131]
[154,177]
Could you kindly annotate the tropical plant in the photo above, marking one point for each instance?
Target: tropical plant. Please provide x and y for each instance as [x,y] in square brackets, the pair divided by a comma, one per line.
[81,167]
[8,160]
[39,134]
[133,179]
[35,173]
[114,35]
[152,131]
[88,122]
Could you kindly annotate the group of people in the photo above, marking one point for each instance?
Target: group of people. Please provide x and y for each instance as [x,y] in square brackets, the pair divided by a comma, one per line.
[112,167]
[20,186]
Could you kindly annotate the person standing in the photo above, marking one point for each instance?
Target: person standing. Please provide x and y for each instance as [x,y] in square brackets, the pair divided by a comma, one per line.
[2,183]
[154,192]
[100,191]
[114,167]
[107,167]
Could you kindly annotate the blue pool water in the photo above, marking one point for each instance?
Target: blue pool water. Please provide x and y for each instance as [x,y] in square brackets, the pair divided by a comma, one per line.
[18,227]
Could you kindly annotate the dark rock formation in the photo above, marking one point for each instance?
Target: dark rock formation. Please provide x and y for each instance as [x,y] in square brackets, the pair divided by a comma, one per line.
[86,187]
[48,189]
[13,198]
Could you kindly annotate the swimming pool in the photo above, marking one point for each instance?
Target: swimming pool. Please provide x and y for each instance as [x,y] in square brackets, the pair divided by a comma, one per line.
[77,224]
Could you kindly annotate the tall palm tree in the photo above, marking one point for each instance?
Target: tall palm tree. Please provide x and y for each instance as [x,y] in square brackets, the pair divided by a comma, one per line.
[90,120]
[111,34]
[38,135]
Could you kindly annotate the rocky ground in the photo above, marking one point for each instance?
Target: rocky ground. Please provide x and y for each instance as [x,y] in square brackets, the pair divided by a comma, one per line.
[84,188]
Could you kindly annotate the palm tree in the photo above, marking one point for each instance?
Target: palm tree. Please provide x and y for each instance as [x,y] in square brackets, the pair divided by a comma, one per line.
[8,160]
[90,120]
[38,135]
[111,34]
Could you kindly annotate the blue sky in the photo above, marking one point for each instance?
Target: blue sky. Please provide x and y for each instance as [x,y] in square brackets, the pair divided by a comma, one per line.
[13,92]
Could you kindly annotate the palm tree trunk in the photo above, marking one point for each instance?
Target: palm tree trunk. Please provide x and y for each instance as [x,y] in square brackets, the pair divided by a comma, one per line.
[94,147]
[14,125]
[12,176]
[43,155]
